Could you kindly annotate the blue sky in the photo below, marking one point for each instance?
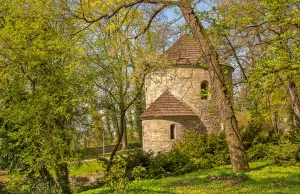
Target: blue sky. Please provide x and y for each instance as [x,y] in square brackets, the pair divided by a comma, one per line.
[172,13]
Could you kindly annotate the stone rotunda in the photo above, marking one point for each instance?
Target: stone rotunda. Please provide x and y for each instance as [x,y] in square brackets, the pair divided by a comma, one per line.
[179,98]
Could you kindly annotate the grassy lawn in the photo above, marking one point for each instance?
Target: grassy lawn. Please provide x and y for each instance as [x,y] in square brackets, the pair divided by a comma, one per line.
[263,178]
[86,168]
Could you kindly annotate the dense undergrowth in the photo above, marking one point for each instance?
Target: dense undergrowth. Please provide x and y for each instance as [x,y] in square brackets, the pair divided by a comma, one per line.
[203,151]
[196,152]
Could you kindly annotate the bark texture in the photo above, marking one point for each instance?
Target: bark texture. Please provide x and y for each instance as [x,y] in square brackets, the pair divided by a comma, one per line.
[224,99]
[295,102]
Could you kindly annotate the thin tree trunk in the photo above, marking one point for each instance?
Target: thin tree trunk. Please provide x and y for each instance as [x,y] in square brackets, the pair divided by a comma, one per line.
[124,139]
[62,175]
[295,102]
[139,108]
[224,99]
[47,180]
[120,137]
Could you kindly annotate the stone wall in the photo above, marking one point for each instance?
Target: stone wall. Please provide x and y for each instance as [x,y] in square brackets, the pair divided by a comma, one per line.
[156,132]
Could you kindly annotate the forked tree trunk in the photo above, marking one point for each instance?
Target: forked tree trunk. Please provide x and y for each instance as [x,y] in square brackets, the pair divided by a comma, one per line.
[223,97]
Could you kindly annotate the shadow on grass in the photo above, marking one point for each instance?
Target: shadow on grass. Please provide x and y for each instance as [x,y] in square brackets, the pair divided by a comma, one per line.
[224,181]
[137,191]
[287,184]
[260,167]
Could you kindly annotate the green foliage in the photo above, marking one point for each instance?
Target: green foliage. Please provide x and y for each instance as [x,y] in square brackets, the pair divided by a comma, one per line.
[280,149]
[116,178]
[138,172]
[210,147]
[2,188]
[255,141]
[284,153]
[43,93]
[137,158]
[196,151]
[257,152]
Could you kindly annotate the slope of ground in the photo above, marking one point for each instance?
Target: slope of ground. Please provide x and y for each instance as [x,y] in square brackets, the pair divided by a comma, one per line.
[263,178]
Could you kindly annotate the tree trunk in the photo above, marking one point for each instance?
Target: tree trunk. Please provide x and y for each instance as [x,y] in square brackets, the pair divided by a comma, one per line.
[139,108]
[62,176]
[124,139]
[223,96]
[120,137]
[47,180]
[295,102]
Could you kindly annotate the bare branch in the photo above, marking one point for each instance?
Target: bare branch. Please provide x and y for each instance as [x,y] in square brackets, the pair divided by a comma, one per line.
[236,57]
[150,20]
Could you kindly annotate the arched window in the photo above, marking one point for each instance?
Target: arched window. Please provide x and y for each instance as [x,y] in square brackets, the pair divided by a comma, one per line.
[204,90]
[172,131]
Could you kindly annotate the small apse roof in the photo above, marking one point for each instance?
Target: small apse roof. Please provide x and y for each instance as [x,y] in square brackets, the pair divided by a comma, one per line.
[185,51]
[167,105]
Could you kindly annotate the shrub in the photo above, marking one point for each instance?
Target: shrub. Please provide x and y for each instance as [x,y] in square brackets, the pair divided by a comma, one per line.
[170,163]
[2,188]
[116,177]
[210,149]
[196,151]
[257,152]
[138,172]
[254,135]
[137,158]
[284,153]
[256,141]
[134,145]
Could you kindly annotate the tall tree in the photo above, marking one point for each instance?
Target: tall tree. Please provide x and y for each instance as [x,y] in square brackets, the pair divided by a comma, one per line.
[120,65]
[43,92]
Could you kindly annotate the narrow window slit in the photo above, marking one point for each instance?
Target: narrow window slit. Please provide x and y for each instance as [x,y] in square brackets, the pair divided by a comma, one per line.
[172,131]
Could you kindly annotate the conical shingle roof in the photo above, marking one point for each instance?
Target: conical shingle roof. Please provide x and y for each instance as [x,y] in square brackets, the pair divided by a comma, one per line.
[167,105]
[185,51]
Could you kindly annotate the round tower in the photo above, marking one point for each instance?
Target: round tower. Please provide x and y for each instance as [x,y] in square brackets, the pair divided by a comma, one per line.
[179,98]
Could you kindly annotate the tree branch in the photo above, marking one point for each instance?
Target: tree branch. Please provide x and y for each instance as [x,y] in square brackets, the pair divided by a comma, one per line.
[150,20]
[236,57]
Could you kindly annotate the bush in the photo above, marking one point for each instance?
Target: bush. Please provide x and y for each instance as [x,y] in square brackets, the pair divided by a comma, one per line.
[257,152]
[256,141]
[171,163]
[262,144]
[138,172]
[284,153]
[137,158]
[2,188]
[256,134]
[134,145]
[196,151]
[116,178]
[210,149]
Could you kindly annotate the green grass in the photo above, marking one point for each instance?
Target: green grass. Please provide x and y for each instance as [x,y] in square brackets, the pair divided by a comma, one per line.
[262,178]
[86,168]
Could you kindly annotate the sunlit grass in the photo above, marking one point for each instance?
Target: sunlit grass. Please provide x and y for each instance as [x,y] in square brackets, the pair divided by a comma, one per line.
[263,178]
[86,168]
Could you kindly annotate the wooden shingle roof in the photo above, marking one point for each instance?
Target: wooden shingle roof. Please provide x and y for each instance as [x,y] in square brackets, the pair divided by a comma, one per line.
[185,51]
[167,105]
